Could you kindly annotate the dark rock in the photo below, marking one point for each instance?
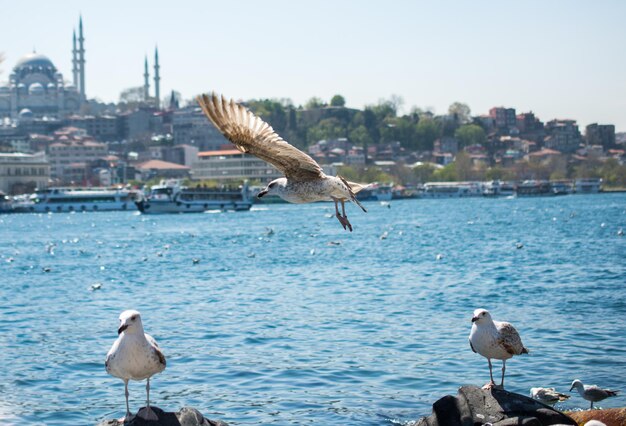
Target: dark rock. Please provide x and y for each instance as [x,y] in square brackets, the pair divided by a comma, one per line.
[475,406]
[186,416]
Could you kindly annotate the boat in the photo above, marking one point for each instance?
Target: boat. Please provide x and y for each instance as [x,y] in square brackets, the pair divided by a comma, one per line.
[70,199]
[376,192]
[561,187]
[587,186]
[497,188]
[451,189]
[172,197]
[530,188]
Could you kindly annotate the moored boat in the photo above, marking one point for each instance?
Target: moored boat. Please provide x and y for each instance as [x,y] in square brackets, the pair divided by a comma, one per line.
[172,197]
[62,199]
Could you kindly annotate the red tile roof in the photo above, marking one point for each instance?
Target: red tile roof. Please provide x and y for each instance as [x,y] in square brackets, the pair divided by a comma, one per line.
[219,153]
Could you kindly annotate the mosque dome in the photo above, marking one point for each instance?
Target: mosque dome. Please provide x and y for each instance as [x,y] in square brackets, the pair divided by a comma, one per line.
[26,114]
[36,89]
[34,61]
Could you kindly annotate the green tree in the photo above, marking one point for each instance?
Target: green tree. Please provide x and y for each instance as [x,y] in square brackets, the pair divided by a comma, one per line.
[328,128]
[424,172]
[314,102]
[338,101]
[470,134]
[460,112]
[426,132]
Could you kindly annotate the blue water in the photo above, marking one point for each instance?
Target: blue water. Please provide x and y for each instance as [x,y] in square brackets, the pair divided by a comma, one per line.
[290,329]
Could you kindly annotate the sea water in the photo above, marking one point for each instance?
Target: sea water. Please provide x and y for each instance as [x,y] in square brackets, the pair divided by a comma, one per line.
[285,318]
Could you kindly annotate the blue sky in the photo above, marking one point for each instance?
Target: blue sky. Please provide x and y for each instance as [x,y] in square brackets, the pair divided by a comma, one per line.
[560,59]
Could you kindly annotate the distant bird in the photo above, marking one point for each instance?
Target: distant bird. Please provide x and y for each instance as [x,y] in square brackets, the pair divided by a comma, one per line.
[439,256]
[620,232]
[304,181]
[96,286]
[519,246]
[494,339]
[592,393]
[195,260]
[547,395]
[135,355]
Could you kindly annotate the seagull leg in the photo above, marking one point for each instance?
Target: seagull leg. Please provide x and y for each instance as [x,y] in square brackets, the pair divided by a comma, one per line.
[345,217]
[491,383]
[591,408]
[340,218]
[503,370]
[128,417]
[147,413]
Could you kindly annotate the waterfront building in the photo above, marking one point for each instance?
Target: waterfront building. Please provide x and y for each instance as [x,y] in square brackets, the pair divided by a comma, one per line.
[563,135]
[161,169]
[191,127]
[72,146]
[21,173]
[232,164]
[600,134]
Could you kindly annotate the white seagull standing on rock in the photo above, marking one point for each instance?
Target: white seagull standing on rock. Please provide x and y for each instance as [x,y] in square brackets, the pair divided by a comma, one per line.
[494,339]
[134,355]
[592,393]
[304,181]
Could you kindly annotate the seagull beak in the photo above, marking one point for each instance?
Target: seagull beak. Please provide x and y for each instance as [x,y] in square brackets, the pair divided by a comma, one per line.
[474,319]
[570,389]
[122,328]
[262,193]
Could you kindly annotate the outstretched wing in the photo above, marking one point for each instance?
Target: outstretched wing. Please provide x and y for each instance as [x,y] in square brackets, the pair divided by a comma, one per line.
[509,339]
[252,135]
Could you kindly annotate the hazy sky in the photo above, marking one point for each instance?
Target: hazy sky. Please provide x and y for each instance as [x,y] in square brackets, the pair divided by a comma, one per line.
[560,59]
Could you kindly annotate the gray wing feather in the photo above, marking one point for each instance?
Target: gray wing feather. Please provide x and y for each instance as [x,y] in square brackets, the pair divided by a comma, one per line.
[157,351]
[510,339]
[252,135]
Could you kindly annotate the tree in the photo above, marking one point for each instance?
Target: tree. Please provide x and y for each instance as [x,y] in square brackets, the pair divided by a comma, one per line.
[470,134]
[133,95]
[424,172]
[314,102]
[338,101]
[461,113]
[328,128]
[426,132]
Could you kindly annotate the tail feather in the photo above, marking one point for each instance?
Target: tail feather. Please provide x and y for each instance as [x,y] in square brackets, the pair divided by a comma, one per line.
[612,392]
[525,351]
[354,188]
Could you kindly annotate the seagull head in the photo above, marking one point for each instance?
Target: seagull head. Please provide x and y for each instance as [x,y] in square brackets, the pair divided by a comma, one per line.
[481,316]
[130,322]
[576,384]
[275,187]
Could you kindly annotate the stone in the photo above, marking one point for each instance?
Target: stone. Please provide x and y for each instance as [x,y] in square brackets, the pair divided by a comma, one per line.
[608,416]
[186,416]
[476,406]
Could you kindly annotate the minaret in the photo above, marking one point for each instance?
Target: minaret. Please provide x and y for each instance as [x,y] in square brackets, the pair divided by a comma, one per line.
[74,61]
[81,59]
[157,79]
[146,81]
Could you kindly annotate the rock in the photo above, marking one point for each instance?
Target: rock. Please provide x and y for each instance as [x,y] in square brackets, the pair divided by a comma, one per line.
[609,416]
[476,406]
[186,416]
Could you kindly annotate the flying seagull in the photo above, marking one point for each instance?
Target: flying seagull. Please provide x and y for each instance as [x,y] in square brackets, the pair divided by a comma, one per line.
[548,395]
[494,339]
[592,393]
[134,355]
[304,181]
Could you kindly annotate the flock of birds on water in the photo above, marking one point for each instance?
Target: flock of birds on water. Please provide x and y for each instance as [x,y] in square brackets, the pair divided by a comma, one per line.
[135,355]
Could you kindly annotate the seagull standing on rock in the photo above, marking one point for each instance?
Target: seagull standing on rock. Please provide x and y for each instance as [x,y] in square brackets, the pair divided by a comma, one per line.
[494,339]
[304,181]
[134,355]
[548,395]
[592,393]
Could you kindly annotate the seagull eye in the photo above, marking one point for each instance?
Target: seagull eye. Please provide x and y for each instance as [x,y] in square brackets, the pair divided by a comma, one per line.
[271,185]
[133,318]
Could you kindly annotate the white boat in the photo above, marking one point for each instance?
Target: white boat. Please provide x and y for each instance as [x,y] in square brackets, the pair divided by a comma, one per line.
[587,186]
[172,197]
[451,189]
[497,188]
[376,192]
[80,200]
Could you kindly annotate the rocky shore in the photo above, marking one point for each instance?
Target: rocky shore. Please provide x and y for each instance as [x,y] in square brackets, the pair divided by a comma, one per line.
[186,416]
[476,406]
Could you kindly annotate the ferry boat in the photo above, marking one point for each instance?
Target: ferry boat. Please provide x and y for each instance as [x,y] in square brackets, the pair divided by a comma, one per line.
[529,188]
[496,188]
[451,189]
[172,197]
[587,186]
[79,199]
[376,192]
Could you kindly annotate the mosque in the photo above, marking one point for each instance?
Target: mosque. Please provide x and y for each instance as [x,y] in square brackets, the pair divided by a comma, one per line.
[36,89]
